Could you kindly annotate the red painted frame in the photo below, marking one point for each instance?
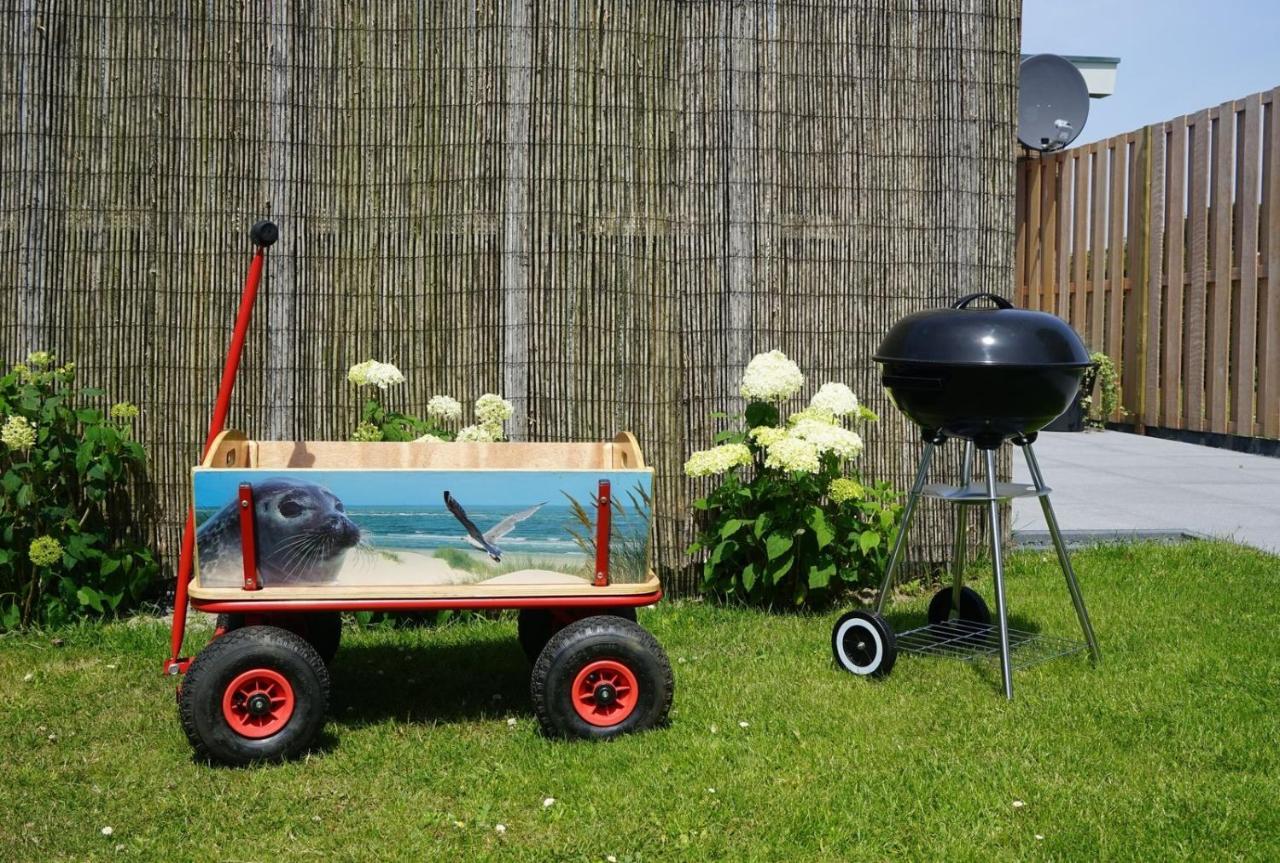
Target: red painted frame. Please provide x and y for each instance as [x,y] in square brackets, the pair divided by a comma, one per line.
[603,516]
[248,540]
[620,600]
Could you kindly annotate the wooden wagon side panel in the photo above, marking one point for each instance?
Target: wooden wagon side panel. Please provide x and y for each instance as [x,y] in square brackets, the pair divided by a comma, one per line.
[352,531]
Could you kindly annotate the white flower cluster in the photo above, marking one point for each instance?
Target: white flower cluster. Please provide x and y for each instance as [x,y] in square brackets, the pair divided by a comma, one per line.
[493,410]
[428,438]
[767,435]
[717,460]
[475,434]
[771,377]
[836,399]
[444,408]
[374,373]
[793,454]
[18,434]
[828,438]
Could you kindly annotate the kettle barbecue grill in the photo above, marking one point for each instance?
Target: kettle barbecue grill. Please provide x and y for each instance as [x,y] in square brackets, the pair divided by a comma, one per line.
[985,376]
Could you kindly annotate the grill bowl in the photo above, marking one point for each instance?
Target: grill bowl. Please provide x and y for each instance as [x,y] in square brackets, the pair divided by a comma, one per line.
[984,375]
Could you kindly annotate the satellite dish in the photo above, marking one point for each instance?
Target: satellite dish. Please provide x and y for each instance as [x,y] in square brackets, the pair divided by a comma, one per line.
[1053,102]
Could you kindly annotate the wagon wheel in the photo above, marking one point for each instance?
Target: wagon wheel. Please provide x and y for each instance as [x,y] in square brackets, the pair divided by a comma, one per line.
[600,677]
[535,626]
[321,629]
[259,693]
[863,644]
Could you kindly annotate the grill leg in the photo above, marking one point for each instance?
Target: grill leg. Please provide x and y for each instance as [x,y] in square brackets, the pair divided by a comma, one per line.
[1077,598]
[907,515]
[997,560]
[962,518]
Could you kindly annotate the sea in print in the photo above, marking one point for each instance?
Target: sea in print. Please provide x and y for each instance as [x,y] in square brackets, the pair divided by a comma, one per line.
[322,528]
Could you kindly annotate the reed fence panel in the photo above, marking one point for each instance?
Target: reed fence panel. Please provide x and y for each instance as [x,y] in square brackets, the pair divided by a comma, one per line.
[601,209]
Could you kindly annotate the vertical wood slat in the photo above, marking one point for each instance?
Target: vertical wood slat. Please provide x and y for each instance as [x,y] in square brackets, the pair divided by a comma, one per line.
[1021,239]
[1132,309]
[1080,242]
[1195,303]
[1175,258]
[1244,305]
[1049,232]
[1096,337]
[1035,232]
[1115,285]
[1151,268]
[1269,310]
[1062,275]
[1218,311]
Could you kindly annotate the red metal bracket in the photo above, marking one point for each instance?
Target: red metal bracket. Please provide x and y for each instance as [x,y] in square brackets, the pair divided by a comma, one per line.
[248,547]
[603,513]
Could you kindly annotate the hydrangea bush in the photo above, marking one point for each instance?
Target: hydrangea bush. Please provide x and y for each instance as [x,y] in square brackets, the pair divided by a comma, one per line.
[69,518]
[444,413]
[789,519]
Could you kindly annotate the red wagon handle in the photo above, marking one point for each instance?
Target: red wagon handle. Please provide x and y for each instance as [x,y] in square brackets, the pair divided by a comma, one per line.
[264,234]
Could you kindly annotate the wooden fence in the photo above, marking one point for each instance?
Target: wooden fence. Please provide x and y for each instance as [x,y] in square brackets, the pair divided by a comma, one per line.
[1162,248]
[600,209]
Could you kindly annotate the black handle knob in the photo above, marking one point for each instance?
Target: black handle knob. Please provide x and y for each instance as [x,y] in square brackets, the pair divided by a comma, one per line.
[969,298]
[264,233]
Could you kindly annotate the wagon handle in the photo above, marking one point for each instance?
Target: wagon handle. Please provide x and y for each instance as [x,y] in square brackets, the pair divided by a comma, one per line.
[964,301]
[263,234]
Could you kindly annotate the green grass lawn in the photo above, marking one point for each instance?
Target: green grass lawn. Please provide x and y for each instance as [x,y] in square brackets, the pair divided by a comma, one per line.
[1169,750]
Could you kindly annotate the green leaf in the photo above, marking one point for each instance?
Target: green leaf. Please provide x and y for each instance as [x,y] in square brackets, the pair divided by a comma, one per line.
[778,544]
[761,525]
[722,551]
[761,414]
[820,576]
[749,577]
[732,526]
[822,531]
[90,598]
[868,540]
[109,565]
[89,416]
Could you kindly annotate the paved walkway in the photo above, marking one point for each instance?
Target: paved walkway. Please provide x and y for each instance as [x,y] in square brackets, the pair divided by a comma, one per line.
[1113,481]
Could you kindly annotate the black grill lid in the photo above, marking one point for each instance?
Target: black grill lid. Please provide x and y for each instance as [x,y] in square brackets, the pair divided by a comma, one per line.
[1003,336]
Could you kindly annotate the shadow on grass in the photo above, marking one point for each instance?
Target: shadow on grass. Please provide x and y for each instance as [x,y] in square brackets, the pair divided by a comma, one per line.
[485,678]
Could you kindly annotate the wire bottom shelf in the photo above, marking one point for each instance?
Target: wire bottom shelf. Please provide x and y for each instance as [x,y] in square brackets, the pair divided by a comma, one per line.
[968,641]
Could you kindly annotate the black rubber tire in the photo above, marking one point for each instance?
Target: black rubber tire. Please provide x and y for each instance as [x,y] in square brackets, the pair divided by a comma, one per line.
[200,698]
[535,626]
[972,607]
[321,629]
[863,644]
[585,641]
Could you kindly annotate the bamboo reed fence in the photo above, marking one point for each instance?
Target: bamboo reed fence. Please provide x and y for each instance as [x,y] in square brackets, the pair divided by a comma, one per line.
[601,209]
[1162,248]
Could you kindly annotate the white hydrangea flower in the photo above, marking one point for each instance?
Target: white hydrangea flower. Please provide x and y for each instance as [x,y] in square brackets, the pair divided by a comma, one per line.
[474,434]
[493,409]
[812,414]
[717,460]
[836,398]
[771,377]
[444,408]
[829,438]
[374,373]
[767,435]
[18,433]
[428,438]
[793,454]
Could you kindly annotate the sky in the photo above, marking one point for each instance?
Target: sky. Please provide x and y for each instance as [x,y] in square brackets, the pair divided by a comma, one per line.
[1176,56]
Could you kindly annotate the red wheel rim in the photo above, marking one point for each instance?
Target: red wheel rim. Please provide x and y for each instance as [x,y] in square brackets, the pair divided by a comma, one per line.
[605,692]
[258,703]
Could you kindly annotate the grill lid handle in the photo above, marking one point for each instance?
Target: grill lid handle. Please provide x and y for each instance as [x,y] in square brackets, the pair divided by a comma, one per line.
[969,298]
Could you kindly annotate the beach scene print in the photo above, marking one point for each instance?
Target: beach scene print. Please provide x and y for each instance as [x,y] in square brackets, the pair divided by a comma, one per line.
[318,528]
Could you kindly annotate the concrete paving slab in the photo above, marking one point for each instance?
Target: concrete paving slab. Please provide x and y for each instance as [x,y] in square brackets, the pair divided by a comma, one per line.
[1113,481]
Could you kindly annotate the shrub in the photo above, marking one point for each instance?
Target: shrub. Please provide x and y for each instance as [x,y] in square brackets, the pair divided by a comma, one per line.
[71,544]
[444,413]
[790,520]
